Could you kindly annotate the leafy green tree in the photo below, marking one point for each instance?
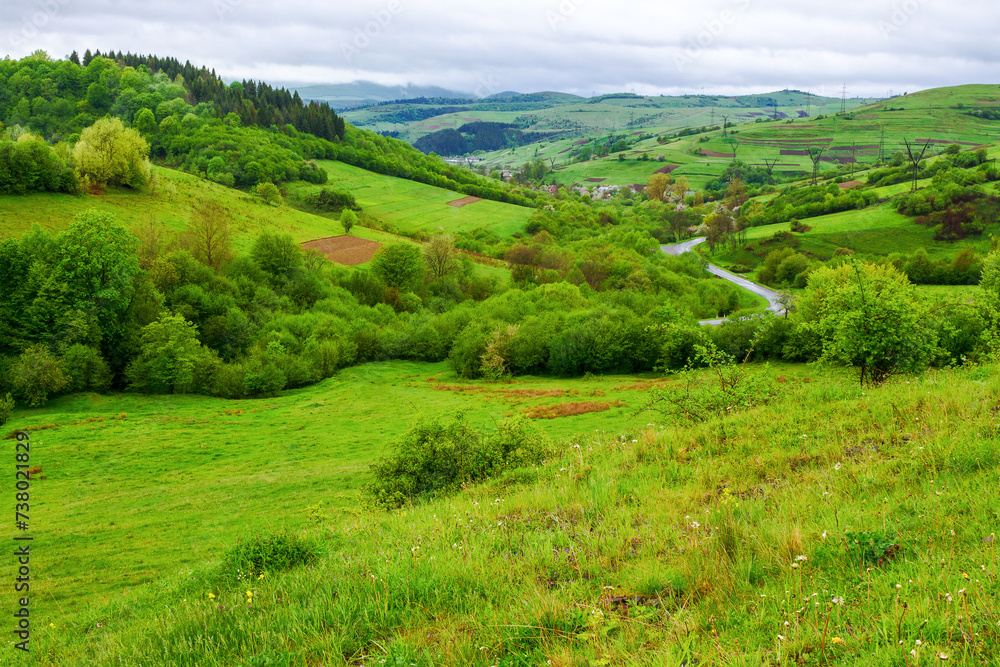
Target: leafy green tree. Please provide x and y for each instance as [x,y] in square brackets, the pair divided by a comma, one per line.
[97,260]
[168,355]
[658,186]
[36,374]
[207,235]
[399,265]
[348,219]
[145,122]
[6,408]
[277,255]
[866,317]
[86,369]
[269,194]
[989,285]
[439,256]
[111,154]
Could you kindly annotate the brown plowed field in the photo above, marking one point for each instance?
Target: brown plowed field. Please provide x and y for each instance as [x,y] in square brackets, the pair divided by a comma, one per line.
[464,201]
[349,250]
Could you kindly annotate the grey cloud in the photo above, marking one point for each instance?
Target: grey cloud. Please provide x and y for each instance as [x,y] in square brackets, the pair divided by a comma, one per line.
[578,46]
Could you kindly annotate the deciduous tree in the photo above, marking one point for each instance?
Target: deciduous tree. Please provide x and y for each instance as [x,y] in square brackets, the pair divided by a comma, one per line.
[208,237]
[111,154]
[439,256]
[658,186]
[866,317]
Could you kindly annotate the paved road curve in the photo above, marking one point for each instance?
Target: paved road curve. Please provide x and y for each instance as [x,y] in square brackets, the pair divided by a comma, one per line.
[773,298]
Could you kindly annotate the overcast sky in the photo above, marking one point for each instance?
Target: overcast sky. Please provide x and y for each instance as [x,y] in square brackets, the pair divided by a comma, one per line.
[576,46]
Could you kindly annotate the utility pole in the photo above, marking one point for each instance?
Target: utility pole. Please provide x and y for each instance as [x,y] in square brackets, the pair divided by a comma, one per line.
[843,99]
[809,99]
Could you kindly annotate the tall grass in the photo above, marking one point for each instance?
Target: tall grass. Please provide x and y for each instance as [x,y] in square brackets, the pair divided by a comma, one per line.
[833,525]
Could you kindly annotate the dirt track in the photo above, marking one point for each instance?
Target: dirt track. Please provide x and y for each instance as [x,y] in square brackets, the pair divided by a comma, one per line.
[464,201]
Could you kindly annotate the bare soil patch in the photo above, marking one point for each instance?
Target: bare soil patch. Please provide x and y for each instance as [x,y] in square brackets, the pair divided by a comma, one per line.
[850,184]
[464,201]
[570,409]
[666,170]
[948,141]
[594,180]
[346,249]
[716,154]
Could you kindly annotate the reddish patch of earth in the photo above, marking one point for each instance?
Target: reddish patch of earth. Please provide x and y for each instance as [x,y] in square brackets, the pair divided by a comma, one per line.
[580,142]
[666,170]
[464,201]
[594,180]
[850,184]
[789,152]
[349,250]
[565,151]
[851,148]
[715,154]
[947,141]
[473,120]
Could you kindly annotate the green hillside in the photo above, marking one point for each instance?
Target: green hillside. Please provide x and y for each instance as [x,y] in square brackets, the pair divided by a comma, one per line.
[415,207]
[863,134]
[575,117]
[833,525]
[505,439]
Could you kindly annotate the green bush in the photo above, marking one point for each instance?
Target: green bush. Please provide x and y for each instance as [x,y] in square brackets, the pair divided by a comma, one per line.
[437,458]
[6,408]
[86,369]
[262,553]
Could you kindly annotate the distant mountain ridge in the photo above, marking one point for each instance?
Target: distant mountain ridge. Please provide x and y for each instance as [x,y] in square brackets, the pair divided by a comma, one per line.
[363,93]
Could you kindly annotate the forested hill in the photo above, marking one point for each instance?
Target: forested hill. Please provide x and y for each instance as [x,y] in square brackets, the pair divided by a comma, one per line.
[255,102]
[241,135]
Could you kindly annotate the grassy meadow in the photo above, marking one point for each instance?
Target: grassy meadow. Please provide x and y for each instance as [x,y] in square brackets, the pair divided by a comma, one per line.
[202,470]
[832,525]
[413,206]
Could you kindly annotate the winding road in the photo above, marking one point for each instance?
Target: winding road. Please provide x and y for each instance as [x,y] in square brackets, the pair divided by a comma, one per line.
[773,298]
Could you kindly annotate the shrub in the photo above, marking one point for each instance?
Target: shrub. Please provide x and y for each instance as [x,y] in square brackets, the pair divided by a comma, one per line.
[437,458]
[6,408]
[86,369]
[36,374]
[256,554]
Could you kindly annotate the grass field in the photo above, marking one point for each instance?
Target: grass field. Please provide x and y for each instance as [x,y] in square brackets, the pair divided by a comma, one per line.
[873,232]
[933,114]
[162,483]
[171,203]
[833,525]
[412,206]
